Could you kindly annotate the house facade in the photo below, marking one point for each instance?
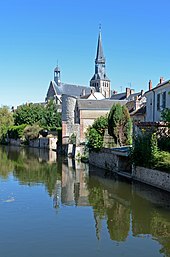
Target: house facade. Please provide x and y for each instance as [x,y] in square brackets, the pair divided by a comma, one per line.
[158,98]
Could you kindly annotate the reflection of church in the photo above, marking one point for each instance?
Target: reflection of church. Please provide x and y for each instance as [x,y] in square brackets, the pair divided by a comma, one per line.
[72,189]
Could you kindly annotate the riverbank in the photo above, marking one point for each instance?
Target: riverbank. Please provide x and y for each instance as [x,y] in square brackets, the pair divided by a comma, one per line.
[117,160]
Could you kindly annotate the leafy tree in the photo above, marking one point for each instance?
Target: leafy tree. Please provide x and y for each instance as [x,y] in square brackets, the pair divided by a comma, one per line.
[95,133]
[47,116]
[28,114]
[120,125]
[52,118]
[166,115]
[6,120]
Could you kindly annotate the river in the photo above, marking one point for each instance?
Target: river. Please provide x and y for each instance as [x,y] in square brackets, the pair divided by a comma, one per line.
[53,207]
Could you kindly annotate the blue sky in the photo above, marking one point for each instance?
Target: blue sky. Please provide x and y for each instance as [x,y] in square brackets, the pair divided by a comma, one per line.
[34,34]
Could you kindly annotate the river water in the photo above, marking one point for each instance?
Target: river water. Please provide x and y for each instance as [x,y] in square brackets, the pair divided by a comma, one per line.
[58,208]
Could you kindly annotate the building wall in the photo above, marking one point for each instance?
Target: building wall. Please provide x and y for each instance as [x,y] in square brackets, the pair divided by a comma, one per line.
[87,118]
[152,112]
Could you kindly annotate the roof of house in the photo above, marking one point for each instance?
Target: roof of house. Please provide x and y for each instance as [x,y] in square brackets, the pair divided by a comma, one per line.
[140,111]
[97,104]
[158,86]
[122,96]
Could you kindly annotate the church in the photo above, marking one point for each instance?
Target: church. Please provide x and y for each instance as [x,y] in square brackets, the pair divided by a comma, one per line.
[99,88]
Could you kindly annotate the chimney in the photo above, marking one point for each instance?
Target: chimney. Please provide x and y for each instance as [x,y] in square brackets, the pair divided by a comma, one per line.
[161,80]
[150,85]
[132,91]
[142,92]
[127,92]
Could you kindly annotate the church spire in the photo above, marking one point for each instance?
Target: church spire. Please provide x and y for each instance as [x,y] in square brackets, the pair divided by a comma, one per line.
[100,56]
[100,81]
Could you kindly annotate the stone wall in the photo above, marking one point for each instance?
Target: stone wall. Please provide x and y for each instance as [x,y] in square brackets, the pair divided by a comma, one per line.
[104,159]
[46,143]
[111,159]
[152,177]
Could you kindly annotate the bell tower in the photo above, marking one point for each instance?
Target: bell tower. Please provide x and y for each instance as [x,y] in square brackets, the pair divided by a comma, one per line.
[57,75]
[100,81]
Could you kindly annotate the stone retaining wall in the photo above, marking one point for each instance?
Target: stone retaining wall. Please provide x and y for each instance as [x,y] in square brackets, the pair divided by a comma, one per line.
[152,177]
[110,160]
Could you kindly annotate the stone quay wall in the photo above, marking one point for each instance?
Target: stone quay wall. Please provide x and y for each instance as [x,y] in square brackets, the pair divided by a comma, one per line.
[106,159]
[152,177]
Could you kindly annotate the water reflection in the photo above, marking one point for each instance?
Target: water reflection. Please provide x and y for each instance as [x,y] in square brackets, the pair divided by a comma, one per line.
[128,210]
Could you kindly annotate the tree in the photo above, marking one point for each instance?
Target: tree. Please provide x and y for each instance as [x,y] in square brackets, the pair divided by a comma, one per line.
[29,114]
[52,118]
[166,115]
[95,133]
[120,125]
[46,116]
[6,120]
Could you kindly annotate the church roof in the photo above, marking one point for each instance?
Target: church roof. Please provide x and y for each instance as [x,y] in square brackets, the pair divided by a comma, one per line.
[70,89]
[100,56]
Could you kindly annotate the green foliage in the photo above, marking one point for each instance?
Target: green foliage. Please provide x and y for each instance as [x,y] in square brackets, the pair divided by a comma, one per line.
[144,149]
[29,114]
[120,125]
[95,139]
[164,143]
[52,118]
[32,132]
[95,133]
[16,132]
[47,116]
[6,120]
[100,124]
[145,152]
[72,139]
[166,115]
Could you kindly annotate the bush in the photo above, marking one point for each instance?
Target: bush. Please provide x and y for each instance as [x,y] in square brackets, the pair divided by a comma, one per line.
[95,139]
[32,132]
[16,132]
[144,149]
[95,133]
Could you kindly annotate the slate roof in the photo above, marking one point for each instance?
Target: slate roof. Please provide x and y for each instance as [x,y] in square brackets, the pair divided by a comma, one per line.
[97,104]
[69,89]
[120,96]
[100,56]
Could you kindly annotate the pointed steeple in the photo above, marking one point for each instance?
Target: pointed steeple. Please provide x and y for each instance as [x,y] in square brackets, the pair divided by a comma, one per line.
[100,56]
[100,81]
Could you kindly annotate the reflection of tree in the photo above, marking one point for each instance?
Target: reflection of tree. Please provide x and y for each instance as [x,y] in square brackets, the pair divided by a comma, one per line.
[6,166]
[28,170]
[104,207]
[118,219]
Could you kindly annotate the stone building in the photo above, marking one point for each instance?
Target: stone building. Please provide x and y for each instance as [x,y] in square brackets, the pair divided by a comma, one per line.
[79,114]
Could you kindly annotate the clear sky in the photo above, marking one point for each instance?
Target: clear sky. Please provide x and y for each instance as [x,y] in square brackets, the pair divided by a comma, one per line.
[34,34]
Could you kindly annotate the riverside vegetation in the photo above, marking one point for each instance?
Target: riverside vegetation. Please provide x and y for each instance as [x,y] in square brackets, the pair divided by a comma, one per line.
[28,120]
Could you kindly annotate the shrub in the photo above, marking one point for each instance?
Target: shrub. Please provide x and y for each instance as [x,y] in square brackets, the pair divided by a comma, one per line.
[144,149]
[16,132]
[95,139]
[32,132]
[95,133]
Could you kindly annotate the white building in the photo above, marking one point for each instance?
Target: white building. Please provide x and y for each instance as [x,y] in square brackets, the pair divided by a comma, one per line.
[158,98]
